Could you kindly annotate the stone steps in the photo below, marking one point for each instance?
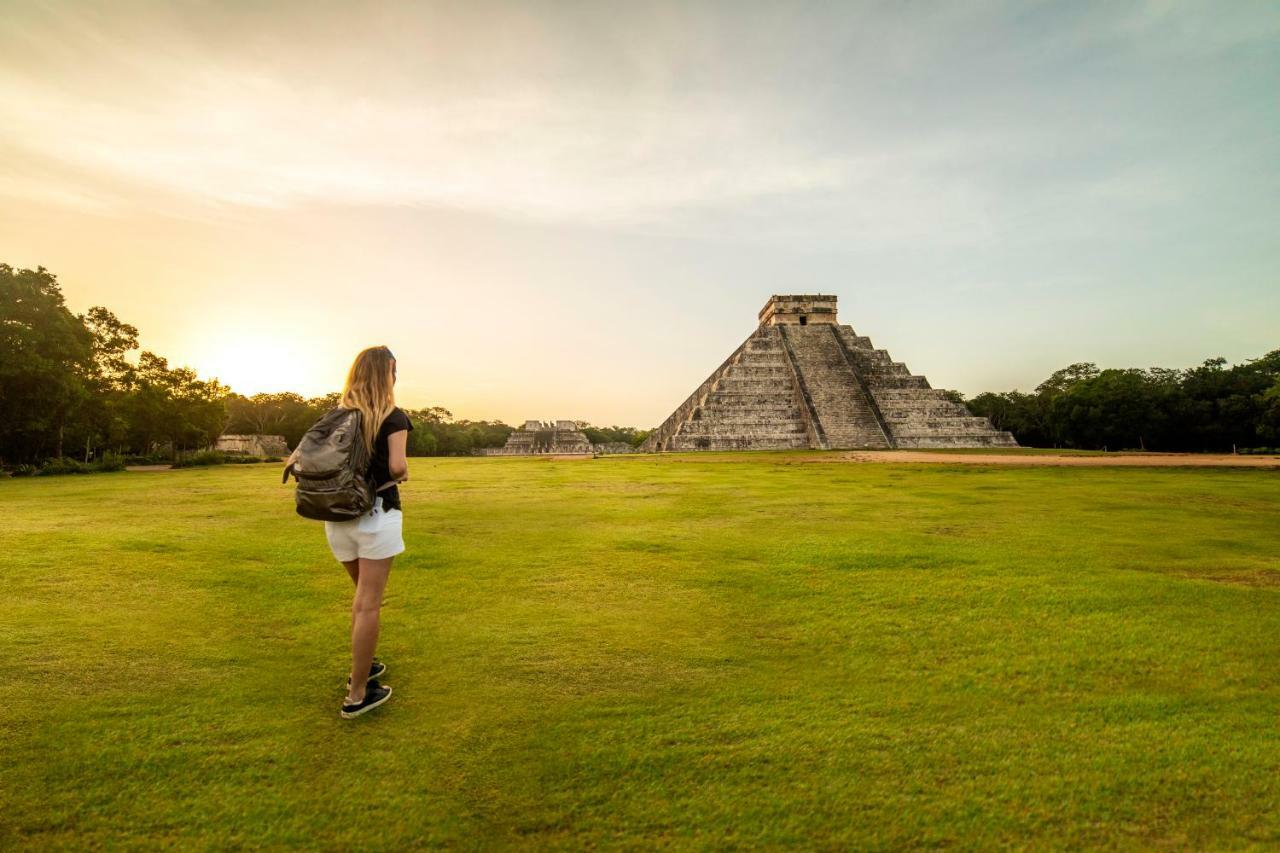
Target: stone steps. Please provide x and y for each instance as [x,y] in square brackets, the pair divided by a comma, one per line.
[925,411]
[916,414]
[770,373]
[742,415]
[782,411]
[954,426]
[837,398]
[888,395]
[751,405]
[739,443]
[992,438]
[898,382]
[715,427]
[744,385]
[729,398]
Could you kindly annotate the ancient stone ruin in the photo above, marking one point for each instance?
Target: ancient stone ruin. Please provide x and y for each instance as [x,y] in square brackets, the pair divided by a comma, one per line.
[539,437]
[803,380]
[252,445]
[612,448]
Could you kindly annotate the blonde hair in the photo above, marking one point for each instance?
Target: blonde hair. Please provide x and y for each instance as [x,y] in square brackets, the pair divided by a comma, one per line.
[371,389]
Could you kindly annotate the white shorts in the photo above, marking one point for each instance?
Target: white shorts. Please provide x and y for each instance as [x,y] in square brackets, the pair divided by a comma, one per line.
[376,535]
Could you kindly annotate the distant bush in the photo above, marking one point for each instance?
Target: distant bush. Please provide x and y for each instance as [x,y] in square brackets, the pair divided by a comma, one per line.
[25,470]
[64,466]
[201,459]
[110,462]
[147,460]
[205,458]
[53,467]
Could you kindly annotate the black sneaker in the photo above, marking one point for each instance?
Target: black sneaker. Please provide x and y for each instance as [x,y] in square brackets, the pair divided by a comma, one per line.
[378,670]
[374,695]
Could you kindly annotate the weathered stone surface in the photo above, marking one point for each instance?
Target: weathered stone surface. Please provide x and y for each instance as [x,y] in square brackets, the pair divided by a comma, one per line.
[536,438]
[809,309]
[252,445]
[612,448]
[803,380]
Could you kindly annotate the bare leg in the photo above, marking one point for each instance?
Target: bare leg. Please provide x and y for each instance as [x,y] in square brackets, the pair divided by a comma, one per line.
[353,569]
[366,612]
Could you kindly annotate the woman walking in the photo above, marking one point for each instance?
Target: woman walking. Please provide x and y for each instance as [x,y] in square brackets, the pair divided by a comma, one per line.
[366,545]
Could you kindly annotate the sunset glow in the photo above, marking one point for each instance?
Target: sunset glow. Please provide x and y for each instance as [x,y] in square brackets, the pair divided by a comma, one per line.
[255,362]
[553,213]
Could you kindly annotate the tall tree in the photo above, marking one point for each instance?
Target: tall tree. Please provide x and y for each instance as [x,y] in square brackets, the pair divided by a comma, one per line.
[173,407]
[110,377]
[45,353]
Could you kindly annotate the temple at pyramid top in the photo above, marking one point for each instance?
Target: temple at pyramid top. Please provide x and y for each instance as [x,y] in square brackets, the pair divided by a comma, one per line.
[799,309]
[803,380]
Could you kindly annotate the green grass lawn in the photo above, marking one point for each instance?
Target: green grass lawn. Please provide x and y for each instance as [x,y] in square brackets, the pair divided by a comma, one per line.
[651,651]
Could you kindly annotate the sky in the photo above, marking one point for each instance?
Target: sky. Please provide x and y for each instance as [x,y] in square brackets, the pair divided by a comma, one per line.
[575,210]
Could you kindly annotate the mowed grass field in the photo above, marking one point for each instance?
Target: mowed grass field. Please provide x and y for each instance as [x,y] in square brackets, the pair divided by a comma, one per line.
[635,652]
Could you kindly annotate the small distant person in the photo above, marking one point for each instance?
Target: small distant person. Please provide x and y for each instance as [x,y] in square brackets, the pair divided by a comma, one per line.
[366,545]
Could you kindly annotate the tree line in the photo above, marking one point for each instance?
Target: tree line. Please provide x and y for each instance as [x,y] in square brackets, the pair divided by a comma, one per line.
[1212,407]
[68,388]
[435,432]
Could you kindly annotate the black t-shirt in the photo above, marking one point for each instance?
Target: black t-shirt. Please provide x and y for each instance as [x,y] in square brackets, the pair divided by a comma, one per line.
[379,467]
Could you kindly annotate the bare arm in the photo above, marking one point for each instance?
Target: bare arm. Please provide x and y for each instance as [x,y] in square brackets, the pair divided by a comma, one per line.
[397,464]
[289,467]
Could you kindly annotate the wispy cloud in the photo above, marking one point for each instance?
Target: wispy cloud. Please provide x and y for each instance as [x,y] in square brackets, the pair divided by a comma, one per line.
[885,125]
[995,187]
[194,126]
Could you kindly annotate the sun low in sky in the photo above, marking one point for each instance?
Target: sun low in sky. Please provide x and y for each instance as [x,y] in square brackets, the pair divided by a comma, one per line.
[574,209]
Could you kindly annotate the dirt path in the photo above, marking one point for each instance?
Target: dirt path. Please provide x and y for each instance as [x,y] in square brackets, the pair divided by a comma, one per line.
[1135,460]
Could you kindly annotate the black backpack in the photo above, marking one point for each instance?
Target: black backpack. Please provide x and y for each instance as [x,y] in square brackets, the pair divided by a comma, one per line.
[331,469]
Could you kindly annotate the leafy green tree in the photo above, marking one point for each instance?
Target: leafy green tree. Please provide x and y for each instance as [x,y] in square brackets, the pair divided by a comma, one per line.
[1114,409]
[45,355]
[613,434]
[1065,379]
[173,407]
[1226,404]
[1024,415]
[436,433]
[1268,427]
[109,378]
[1210,407]
[282,413]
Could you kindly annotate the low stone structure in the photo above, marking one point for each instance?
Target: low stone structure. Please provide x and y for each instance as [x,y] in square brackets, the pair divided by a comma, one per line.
[802,380]
[613,448]
[536,438]
[252,445]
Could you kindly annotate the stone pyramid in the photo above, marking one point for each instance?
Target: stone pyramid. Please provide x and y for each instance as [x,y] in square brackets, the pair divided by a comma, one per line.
[803,380]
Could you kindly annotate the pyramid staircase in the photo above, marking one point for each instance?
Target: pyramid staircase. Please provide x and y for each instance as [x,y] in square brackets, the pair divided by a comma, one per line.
[750,403]
[800,384]
[915,414]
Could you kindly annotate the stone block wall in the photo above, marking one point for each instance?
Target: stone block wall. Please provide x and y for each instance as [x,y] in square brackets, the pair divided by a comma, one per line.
[252,445]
